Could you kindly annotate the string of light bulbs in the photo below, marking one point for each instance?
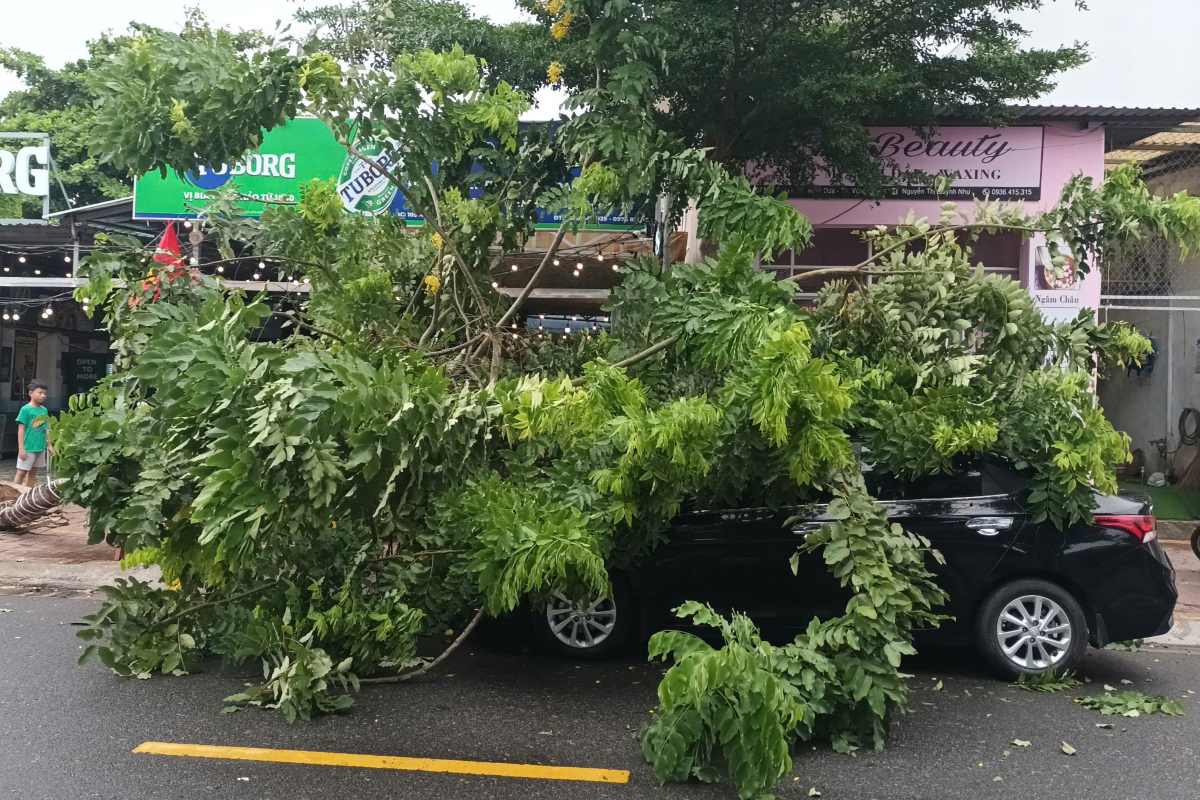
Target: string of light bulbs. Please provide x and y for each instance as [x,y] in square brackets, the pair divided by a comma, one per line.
[14,308]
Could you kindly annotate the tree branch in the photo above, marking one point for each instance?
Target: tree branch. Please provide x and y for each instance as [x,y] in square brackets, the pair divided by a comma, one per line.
[408,676]
[535,278]
[649,351]
[210,603]
[460,346]
[497,338]
[433,321]
[301,323]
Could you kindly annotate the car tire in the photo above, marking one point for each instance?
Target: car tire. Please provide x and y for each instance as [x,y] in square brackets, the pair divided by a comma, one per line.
[1196,541]
[586,631]
[1040,625]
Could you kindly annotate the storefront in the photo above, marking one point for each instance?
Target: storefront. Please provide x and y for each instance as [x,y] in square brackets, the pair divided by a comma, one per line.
[1030,161]
[44,334]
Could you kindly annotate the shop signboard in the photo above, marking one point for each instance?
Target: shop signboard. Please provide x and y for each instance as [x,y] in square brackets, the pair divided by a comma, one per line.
[290,156]
[997,163]
[1057,290]
[25,167]
[83,370]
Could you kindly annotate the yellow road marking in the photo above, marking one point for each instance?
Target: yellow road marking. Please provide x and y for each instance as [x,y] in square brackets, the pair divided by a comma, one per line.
[324,759]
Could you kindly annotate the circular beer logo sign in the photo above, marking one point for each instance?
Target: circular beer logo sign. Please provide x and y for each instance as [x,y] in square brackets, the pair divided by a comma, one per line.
[364,189]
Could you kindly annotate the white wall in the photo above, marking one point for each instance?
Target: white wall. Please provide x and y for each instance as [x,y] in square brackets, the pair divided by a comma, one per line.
[1136,404]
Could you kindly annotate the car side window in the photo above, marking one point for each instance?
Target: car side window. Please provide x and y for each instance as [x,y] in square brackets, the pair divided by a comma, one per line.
[964,483]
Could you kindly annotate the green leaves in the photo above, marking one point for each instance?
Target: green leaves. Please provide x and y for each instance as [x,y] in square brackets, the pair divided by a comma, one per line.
[168,101]
[736,215]
[1095,220]
[137,632]
[1047,682]
[299,682]
[839,679]
[526,542]
[722,707]
[1131,704]
[951,363]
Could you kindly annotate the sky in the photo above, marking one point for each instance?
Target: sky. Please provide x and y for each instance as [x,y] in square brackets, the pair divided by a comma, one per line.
[1140,50]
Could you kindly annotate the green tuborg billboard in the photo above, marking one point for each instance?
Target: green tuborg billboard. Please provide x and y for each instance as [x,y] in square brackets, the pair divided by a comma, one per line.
[290,156]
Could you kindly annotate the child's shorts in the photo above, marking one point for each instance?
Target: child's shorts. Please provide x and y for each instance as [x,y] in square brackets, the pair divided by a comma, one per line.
[31,461]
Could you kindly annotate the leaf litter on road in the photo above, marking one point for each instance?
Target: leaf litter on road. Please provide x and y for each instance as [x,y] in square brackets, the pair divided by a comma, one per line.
[1047,682]
[1130,704]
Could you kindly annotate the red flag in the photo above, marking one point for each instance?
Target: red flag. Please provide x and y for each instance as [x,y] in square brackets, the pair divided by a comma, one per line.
[168,251]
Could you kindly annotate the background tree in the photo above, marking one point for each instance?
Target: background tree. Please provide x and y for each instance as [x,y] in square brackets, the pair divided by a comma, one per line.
[781,84]
[61,102]
[784,83]
[375,32]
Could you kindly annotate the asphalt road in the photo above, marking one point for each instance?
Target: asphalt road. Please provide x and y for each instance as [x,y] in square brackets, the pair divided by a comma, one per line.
[67,732]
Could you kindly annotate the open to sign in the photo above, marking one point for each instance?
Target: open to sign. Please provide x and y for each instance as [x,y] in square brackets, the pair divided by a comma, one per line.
[25,171]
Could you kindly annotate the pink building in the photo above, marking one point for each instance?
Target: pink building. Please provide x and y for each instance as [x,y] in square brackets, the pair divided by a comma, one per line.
[1030,161]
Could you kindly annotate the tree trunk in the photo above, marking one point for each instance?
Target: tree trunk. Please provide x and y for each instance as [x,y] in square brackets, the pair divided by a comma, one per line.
[30,506]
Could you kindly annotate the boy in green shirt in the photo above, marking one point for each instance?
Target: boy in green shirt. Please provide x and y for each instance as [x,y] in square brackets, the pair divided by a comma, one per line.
[33,435]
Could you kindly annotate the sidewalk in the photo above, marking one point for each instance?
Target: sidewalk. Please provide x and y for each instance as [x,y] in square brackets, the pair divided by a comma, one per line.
[1186,632]
[54,554]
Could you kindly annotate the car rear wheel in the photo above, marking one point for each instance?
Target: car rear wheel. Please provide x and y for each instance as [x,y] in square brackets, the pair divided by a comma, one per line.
[595,628]
[1031,627]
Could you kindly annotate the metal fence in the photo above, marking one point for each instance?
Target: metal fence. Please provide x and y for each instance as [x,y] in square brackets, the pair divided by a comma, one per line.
[1150,273]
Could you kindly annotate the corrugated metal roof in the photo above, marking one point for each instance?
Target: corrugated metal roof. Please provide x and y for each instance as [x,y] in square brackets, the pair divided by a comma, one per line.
[1122,113]
[1180,139]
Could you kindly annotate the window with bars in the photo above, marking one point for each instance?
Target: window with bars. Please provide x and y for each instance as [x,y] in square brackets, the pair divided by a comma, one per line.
[844,247]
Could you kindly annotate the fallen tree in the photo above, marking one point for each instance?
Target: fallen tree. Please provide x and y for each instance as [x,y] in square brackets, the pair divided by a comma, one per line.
[30,506]
[406,462]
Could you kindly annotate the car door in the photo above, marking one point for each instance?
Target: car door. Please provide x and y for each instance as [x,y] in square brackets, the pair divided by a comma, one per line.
[719,557]
[970,519]
[811,590]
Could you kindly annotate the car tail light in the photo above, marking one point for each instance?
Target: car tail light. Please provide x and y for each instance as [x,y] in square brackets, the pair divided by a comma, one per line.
[1137,525]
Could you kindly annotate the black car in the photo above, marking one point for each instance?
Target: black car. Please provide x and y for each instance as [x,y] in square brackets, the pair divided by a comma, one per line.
[1029,596]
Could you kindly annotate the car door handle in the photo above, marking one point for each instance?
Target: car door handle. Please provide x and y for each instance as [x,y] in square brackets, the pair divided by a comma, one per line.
[806,529]
[989,526]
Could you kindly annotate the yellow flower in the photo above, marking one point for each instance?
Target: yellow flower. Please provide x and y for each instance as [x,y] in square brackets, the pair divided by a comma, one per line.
[554,73]
[433,284]
[561,26]
[554,6]
[437,240]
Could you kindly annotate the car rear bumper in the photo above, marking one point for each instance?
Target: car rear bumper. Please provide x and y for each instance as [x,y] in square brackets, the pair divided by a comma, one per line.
[1140,599]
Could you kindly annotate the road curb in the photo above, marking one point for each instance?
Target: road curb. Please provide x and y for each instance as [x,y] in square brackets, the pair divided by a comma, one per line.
[87,577]
[1176,530]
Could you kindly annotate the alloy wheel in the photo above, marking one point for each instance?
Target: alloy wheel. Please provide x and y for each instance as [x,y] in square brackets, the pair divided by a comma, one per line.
[581,625]
[1034,632]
